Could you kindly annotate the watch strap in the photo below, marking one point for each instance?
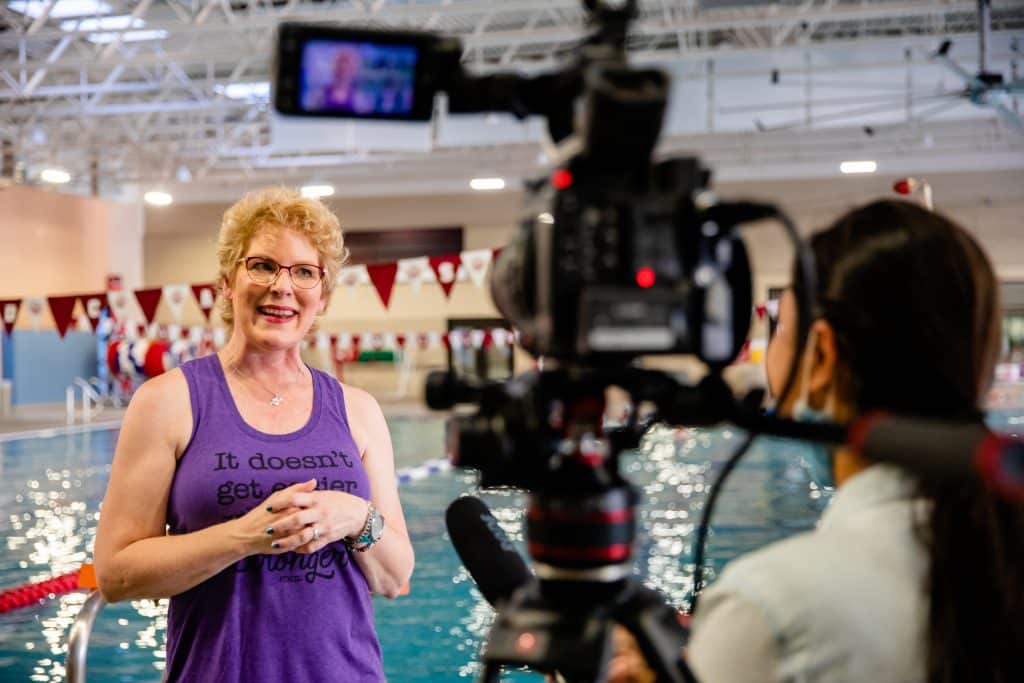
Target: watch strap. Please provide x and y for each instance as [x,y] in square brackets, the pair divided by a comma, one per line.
[365,539]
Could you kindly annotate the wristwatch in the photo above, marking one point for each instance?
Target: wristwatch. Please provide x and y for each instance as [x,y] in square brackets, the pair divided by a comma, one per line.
[372,530]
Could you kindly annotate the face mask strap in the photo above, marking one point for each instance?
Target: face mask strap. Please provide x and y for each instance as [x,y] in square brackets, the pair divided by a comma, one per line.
[804,400]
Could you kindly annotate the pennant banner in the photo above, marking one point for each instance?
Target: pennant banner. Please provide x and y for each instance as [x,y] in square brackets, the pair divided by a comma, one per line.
[62,307]
[352,276]
[476,262]
[413,271]
[118,302]
[9,313]
[149,300]
[382,275]
[93,305]
[206,295]
[34,306]
[175,296]
[446,268]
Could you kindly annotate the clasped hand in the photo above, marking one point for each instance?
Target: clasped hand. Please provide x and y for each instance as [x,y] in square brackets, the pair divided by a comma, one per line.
[300,519]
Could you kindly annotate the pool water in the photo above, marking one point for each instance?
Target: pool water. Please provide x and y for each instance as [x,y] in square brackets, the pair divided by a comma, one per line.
[52,488]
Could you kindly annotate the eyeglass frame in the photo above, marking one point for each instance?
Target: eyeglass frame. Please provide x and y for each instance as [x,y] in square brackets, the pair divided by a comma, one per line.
[282,267]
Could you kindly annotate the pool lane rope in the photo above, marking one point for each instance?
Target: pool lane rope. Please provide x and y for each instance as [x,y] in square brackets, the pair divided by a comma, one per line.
[84,578]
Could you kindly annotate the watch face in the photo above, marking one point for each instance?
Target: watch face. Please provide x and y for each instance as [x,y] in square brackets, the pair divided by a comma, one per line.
[377,525]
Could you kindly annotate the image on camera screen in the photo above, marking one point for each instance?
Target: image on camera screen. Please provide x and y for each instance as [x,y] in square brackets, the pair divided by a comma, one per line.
[358,78]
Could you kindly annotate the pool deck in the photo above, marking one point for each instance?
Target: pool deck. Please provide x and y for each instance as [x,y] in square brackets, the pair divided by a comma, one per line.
[51,418]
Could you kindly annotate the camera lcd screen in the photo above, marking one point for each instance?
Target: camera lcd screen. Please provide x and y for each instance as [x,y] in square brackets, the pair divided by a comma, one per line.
[357,78]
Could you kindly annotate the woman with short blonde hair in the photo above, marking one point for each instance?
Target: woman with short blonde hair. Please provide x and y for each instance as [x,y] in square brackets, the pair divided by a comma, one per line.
[255,492]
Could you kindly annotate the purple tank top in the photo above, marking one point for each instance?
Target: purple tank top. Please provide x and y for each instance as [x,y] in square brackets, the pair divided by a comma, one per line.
[269,618]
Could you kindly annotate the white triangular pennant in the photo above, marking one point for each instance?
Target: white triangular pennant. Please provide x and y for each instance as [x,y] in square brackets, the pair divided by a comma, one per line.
[499,335]
[175,296]
[120,305]
[476,262]
[34,306]
[353,276]
[414,272]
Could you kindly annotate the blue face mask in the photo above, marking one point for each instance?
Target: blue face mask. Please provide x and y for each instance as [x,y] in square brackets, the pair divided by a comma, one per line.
[817,457]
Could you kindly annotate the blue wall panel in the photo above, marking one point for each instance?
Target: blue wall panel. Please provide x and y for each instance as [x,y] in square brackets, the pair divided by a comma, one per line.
[42,364]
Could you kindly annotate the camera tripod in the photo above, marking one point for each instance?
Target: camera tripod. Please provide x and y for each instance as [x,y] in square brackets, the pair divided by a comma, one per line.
[581,522]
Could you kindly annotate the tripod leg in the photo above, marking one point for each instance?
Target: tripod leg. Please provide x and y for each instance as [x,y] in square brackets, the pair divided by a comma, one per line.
[491,673]
[658,632]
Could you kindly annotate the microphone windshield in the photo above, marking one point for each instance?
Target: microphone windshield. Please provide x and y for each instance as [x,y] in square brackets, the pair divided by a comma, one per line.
[487,553]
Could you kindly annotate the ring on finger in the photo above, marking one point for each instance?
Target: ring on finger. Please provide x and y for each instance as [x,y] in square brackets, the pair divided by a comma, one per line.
[316,534]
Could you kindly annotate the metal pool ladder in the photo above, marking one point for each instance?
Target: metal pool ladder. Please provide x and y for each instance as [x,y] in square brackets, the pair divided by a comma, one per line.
[78,640]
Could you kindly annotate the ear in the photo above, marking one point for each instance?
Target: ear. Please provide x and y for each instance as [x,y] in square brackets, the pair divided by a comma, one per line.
[824,361]
[225,287]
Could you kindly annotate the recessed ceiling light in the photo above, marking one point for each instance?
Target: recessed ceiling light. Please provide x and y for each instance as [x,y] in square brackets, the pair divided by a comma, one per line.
[61,10]
[157,198]
[57,176]
[113,23]
[487,183]
[127,36]
[317,191]
[244,91]
[858,167]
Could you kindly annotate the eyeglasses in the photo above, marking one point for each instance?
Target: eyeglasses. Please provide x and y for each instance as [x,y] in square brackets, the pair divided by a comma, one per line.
[264,271]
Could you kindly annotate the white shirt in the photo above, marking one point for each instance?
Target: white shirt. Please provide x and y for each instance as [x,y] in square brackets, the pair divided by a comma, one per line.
[845,602]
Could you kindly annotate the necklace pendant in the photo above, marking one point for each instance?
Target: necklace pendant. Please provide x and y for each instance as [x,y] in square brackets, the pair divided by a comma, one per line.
[276,401]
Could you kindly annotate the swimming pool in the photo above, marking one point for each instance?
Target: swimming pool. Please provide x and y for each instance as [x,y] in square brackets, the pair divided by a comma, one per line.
[52,487]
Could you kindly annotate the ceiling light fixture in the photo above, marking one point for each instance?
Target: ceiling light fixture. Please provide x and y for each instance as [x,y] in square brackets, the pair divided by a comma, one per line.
[317,191]
[487,183]
[849,167]
[61,9]
[259,90]
[56,176]
[158,198]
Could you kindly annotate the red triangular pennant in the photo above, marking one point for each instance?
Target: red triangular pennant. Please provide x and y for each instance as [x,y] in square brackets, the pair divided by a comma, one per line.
[496,252]
[93,305]
[9,313]
[446,268]
[62,307]
[382,275]
[205,294]
[148,300]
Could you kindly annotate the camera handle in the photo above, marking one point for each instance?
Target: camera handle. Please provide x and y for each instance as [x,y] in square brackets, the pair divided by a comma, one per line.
[575,638]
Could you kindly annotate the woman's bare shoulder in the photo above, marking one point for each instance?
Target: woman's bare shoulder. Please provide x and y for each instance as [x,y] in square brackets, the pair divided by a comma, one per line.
[163,406]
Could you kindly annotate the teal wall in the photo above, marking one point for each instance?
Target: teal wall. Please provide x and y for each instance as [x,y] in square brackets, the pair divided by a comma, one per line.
[41,365]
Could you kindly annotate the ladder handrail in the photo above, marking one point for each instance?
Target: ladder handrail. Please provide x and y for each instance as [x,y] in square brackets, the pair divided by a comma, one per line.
[92,401]
[78,639]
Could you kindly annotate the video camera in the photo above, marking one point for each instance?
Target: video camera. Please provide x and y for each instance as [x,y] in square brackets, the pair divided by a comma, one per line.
[619,256]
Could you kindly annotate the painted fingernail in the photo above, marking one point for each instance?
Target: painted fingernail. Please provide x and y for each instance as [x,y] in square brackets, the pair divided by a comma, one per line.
[270,508]
[270,531]
[275,545]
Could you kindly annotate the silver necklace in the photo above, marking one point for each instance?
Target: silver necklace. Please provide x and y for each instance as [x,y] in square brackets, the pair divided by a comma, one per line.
[276,399]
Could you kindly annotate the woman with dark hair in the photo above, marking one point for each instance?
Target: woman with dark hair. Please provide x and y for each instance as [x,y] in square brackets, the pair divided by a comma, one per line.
[903,580]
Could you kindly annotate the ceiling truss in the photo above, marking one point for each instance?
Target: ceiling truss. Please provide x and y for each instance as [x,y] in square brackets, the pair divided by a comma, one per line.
[140,111]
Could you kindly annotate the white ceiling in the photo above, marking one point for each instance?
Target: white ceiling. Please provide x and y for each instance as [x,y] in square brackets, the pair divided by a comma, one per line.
[853,80]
